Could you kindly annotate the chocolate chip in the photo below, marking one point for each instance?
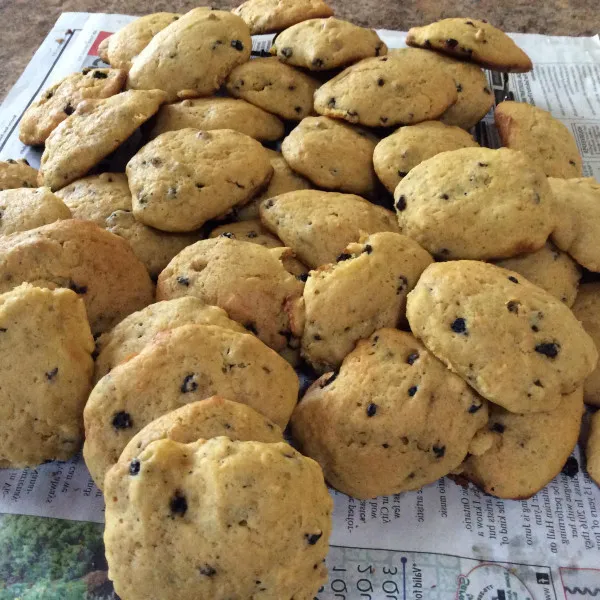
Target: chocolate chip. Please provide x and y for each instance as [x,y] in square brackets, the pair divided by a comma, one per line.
[181,280]
[375,340]
[122,420]
[371,409]
[470,23]
[474,408]
[571,467]
[535,328]
[329,380]
[368,249]
[251,235]
[287,51]
[49,95]
[134,467]
[513,279]
[302,277]
[380,82]
[572,162]
[69,110]
[343,256]
[50,375]
[412,357]
[401,203]
[207,570]
[403,283]
[497,427]
[237,45]
[445,197]
[298,109]
[451,43]
[313,538]
[78,289]
[99,75]
[155,162]
[482,164]
[459,326]
[513,306]
[439,451]
[386,446]
[458,88]
[402,173]
[189,384]
[317,337]
[228,234]
[331,103]
[3,329]
[538,383]
[178,504]
[549,349]
[317,62]
[412,390]
[269,203]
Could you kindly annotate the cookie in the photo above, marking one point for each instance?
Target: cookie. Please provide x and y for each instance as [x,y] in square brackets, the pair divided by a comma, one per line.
[526,451]
[179,366]
[380,425]
[17,174]
[204,419]
[136,331]
[94,130]
[103,50]
[577,231]
[387,91]
[318,225]
[543,138]
[193,55]
[181,179]
[476,203]
[59,101]
[274,87]
[323,44]
[283,180]
[592,451]
[267,16]
[397,154]
[98,266]
[364,291]
[124,45]
[219,113]
[553,270]
[22,209]
[332,154]
[246,280]
[587,310]
[472,40]
[513,342]
[218,519]
[45,357]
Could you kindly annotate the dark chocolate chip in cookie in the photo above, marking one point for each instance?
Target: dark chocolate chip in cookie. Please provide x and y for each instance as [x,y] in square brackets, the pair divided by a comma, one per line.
[549,349]
[122,420]
[178,504]
[459,326]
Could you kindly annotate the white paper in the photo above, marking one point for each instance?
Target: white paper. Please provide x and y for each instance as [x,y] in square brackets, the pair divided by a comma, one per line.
[444,541]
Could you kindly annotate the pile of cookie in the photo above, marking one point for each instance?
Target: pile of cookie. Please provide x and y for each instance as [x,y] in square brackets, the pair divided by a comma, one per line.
[160,316]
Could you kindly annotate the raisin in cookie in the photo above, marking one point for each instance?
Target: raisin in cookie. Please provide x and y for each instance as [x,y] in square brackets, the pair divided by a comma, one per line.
[179,366]
[322,44]
[476,203]
[99,266]
[219,113]
[59,101]
[181,179]
[274,87]
[386,91]
[592,451]
[267,16]
[317,225]
[94,130]
[124,45]
[577,231]
[587,310]
[365,290]
[553,270]
[397,154]
[516,344]
[247,280]
[192,56]
[473,40]
[135,332]
[525,451]
[204,419]
[46,361]
[332,154]
[382,424]
[22,209]
[543,138]
[283,180]
[17,174]
[217,519]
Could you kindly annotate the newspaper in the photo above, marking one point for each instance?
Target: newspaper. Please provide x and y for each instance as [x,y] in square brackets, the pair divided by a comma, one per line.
[443,541]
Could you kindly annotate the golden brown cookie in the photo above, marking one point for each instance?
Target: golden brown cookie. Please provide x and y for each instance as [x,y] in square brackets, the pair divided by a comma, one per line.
[17,174]
[592,451]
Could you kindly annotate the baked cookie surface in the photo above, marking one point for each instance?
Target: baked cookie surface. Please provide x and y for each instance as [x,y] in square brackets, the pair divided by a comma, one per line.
[540,136]
[513,342]
[592,451]
[17,174]
[225,519]
[467,203]
[380,426]
[46,360]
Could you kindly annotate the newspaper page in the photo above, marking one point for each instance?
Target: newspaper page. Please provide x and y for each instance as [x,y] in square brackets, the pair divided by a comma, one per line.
[438,543]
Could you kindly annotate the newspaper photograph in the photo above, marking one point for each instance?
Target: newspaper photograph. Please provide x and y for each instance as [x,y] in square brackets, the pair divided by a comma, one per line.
[442,542]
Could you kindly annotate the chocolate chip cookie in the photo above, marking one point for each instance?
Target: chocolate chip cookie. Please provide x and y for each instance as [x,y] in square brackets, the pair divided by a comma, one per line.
[17,174]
